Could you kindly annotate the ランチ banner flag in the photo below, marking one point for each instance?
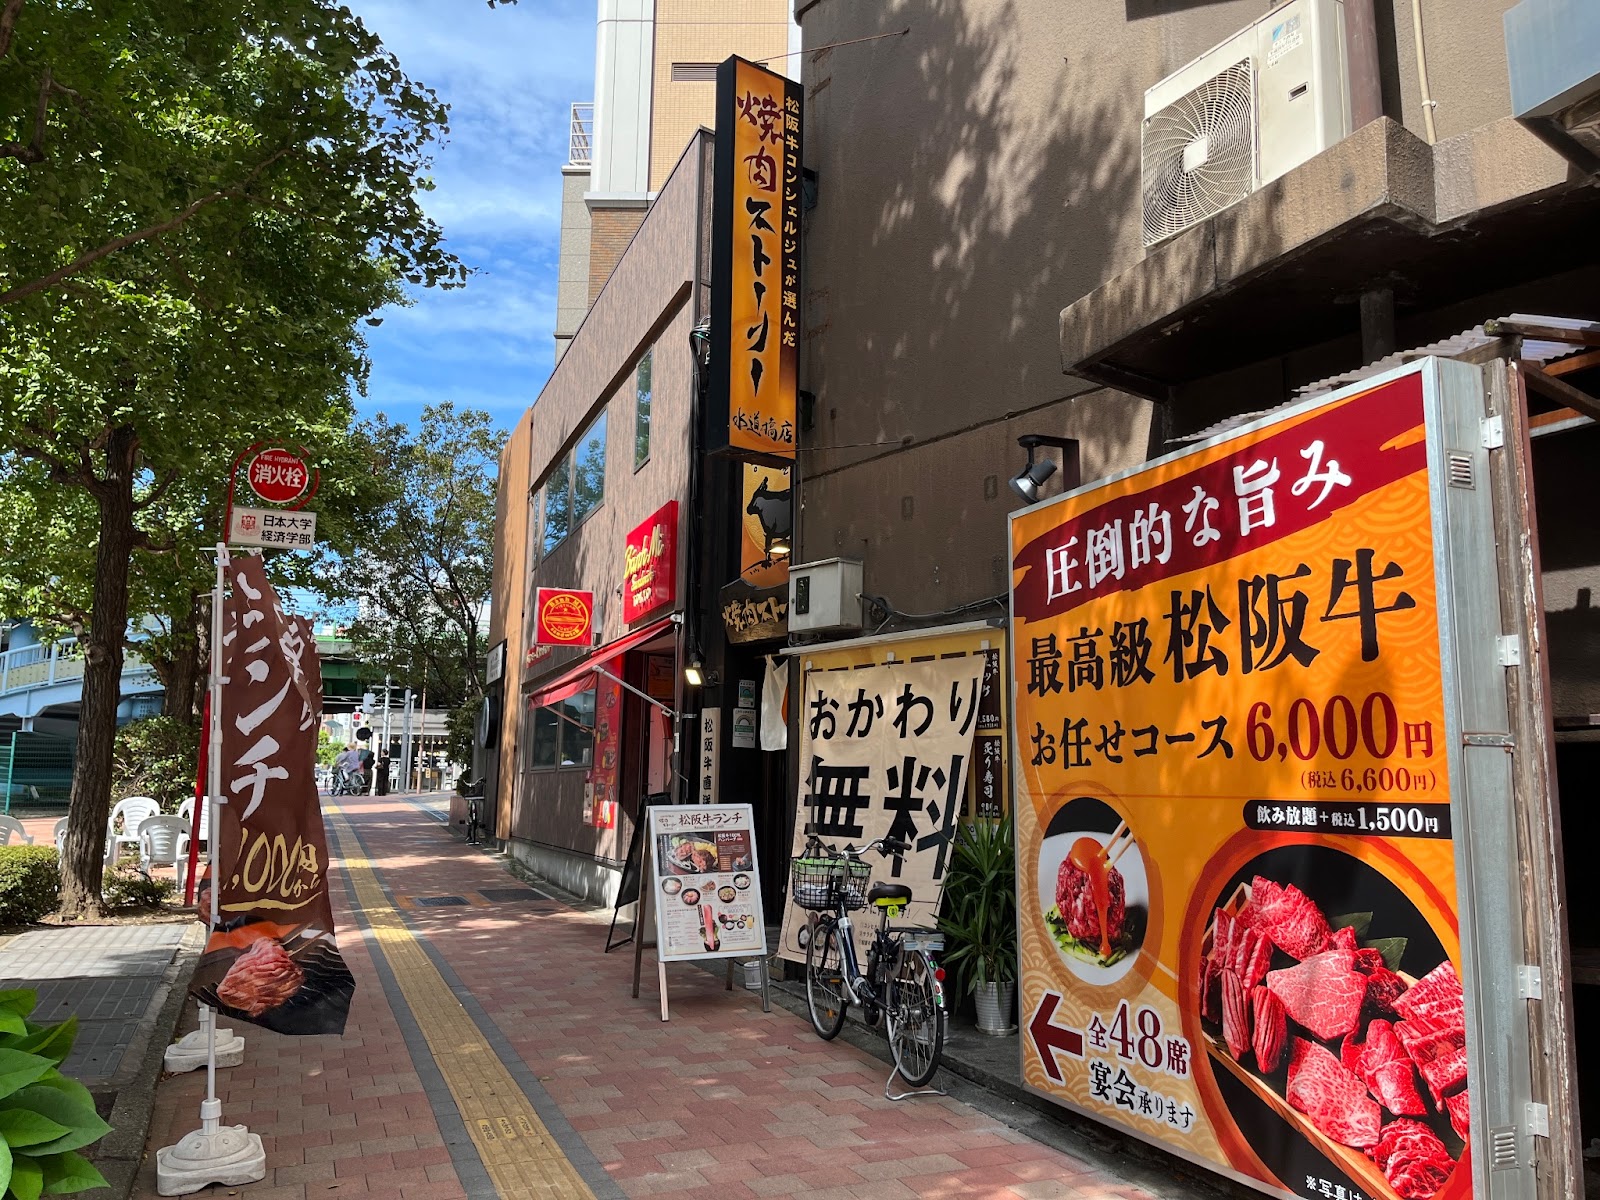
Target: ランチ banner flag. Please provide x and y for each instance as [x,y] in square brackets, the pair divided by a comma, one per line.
[1237,898]
[885,752]
[271,959]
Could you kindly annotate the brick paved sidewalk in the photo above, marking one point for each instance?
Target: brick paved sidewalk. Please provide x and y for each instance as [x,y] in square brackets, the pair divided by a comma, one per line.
[724,1100]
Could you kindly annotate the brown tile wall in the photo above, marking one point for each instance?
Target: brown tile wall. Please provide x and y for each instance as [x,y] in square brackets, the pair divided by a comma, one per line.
[610,231]
[505,606]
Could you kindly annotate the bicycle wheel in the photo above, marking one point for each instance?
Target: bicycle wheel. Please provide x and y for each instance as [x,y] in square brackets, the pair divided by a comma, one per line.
[916,1022]
[825,995]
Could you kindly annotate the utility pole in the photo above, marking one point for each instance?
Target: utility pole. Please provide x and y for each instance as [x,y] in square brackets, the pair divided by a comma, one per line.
[405,741]
[422,736]
[384,752]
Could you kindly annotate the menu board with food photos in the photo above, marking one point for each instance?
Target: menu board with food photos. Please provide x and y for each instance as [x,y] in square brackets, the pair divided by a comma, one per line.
[707,882]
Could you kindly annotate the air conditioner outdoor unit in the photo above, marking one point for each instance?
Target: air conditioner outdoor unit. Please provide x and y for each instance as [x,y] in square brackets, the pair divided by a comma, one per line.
[1244,113]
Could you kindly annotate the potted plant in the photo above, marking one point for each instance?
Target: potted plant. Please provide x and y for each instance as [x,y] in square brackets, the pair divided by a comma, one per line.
[980,920]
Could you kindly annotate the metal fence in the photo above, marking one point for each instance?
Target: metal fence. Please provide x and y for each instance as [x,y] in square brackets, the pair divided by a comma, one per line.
[37,769]
[580,138]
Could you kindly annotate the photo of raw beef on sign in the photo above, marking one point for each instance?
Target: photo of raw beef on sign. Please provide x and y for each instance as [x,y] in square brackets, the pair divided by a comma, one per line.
[1314,1015]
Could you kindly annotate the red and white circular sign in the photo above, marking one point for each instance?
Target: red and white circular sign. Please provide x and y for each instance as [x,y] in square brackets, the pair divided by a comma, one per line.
[277,476]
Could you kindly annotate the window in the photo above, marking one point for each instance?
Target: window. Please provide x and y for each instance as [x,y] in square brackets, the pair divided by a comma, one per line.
[589,470]
[535,515]
[694,72]
[546,738]
[563,733]
[557,506]
[641,423]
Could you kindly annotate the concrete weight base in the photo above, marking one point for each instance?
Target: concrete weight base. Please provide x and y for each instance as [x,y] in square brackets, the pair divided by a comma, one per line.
[189,1051]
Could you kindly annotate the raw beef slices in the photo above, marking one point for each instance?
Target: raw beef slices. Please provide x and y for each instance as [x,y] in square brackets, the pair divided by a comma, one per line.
[1387,1068]
[1288,916]
[1335,1099]
[1324,993]
[1412,1159]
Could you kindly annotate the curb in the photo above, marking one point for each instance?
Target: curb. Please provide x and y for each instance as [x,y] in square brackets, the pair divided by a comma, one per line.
[120,1154]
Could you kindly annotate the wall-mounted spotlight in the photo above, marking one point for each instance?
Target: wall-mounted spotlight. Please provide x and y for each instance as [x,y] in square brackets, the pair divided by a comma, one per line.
[694,672]
[780,547]
[700,342]
[1028,482]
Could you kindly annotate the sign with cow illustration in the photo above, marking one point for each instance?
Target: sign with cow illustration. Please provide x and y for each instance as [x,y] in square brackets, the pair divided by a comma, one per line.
[755,607]
[1238,794]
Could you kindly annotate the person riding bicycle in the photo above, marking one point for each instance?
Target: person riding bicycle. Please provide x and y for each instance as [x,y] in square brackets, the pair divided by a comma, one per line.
[347,776]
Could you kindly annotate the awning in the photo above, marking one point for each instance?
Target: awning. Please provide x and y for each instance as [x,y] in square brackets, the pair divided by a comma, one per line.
[580,677]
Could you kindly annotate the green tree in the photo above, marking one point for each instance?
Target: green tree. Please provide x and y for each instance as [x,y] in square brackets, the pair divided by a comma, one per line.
[199,203]
[423,575]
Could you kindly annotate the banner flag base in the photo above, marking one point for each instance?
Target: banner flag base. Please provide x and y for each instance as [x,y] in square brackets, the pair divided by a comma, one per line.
[230,1155]
[189,1051]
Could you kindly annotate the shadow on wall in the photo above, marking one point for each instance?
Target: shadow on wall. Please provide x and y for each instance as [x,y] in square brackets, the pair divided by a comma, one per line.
[988,181]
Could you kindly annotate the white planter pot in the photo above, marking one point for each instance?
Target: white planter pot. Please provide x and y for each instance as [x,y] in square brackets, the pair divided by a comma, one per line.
[994,1003]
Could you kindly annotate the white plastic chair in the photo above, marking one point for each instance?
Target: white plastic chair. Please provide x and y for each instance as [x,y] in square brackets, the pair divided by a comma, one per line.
[186,811]
[61,842]
[9,826]
[164,842]
[131,812]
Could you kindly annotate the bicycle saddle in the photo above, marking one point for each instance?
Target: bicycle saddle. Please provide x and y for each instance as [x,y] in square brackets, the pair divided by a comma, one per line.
[889,893]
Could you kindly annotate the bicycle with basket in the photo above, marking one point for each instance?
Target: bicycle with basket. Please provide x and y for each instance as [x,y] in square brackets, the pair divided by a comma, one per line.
[901,983]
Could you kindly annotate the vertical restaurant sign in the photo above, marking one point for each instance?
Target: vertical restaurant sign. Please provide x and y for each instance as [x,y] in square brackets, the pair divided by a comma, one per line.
[707,881]
[755,606]
[755,264]
[885,752]
[709,756]
[602,784]
[563,617]
[271,959]
[650,564]
[1236,882]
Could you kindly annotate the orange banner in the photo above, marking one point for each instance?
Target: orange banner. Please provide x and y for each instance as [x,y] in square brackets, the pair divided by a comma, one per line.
[1238,931]
[756,262]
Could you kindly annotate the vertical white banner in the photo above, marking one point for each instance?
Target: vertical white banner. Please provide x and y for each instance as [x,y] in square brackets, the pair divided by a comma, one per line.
[708,754]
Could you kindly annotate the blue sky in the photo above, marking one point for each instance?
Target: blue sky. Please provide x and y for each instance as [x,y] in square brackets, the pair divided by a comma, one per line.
[510,76]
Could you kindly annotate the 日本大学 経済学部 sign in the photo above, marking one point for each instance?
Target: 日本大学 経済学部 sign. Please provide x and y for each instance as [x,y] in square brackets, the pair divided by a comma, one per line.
[1236,875]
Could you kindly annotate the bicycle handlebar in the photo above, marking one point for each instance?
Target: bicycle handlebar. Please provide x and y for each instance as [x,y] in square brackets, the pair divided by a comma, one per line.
[885,846]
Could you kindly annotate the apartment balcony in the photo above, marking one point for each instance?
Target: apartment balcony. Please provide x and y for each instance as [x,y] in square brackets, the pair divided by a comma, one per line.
[34,678]
[580,137]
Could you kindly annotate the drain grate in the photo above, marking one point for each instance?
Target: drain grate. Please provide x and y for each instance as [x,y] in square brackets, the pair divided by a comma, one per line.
[439,901]
[509,895]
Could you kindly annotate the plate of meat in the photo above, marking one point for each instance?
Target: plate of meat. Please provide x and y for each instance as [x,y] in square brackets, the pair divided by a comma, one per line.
[1348,1027]
[1093,890]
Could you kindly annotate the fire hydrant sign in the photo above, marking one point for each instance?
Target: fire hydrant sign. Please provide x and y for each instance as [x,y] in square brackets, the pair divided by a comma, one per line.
[278,476]
[1236,878]
[707,882]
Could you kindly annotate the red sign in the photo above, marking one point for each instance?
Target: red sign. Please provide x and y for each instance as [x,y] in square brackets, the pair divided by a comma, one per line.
[278,477]
[650,564]
[564,617]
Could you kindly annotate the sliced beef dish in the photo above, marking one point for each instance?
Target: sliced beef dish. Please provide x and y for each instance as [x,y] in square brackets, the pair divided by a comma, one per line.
[1324,993]
[1289,917]
[261,978]
[1334,1098]
[1412,1159]
[1236,947]
[1387,1068]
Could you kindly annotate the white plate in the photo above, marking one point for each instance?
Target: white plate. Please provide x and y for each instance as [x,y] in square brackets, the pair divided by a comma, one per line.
[1135,893]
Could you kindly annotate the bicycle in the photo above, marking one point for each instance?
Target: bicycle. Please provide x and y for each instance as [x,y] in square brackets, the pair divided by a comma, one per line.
[902,982]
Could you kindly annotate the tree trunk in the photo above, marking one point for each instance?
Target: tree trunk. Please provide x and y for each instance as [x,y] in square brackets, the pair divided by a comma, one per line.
[82,863]
[183,668]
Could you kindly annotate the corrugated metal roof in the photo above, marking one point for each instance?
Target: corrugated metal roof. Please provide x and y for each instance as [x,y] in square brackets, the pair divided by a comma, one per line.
[1462,344]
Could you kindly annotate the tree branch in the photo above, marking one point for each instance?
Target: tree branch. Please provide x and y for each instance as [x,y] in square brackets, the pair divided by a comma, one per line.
[156,492]
[122,243]
[33,150]
[8,25]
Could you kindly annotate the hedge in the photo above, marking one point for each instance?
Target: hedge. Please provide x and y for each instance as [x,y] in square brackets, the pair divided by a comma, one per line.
[30,883]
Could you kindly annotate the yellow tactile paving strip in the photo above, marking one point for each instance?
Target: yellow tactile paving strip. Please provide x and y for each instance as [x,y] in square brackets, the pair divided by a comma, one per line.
[521,1157]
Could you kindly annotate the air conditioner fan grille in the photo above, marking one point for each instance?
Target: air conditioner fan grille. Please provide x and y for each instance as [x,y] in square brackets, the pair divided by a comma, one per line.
[1199,153]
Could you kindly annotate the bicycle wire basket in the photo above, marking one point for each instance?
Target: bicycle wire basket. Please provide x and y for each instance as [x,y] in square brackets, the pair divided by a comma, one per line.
[815,881]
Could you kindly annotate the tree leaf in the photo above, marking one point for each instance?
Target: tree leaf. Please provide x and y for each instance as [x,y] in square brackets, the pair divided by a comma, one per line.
[1360,922]
[76,1114]
[27,1178]
[1393,950]
[18,1069]
[12,1022]
[66,1173]
[19,1000]
[22,1127]
[5,1165]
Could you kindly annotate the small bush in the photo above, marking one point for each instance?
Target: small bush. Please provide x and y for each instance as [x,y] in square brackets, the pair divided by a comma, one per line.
[30,883]
[126,888]
[48,1117]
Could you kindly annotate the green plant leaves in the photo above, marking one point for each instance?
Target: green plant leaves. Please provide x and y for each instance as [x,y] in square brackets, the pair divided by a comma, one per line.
[18,1000]
[1393,950]
[51,1041]
[69,1172]
[27,1179]
[18,1070]
[979,917]
[1360,922]
[80,1123]
[22,1127]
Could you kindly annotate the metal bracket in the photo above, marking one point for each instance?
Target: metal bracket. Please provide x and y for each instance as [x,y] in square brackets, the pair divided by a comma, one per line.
[1494,433]
[1539,1120]
[1530,982]
[1493,741]
[1510,650]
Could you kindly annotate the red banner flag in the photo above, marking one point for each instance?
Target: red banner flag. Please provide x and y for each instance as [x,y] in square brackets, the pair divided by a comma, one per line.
[271,958]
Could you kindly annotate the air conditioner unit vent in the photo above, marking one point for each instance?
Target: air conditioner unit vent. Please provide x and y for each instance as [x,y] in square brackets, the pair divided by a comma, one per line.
[1199,153]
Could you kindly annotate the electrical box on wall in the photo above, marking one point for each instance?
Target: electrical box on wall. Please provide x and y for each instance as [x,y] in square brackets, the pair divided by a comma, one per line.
[825,596]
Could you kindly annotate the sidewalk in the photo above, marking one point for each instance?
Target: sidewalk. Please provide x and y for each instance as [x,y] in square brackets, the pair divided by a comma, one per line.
[495,1051]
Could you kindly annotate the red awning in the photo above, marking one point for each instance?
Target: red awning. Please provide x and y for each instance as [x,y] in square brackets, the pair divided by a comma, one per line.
[580,677]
